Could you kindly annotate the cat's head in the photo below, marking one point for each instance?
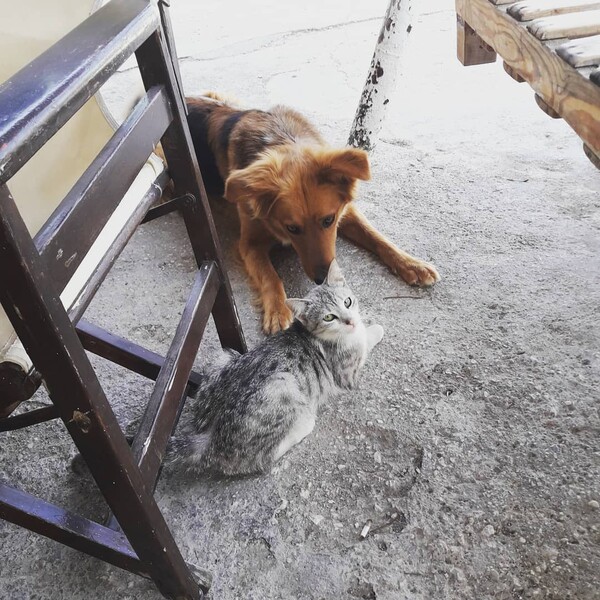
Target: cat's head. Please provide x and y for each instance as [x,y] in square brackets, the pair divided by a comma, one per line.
[329,311]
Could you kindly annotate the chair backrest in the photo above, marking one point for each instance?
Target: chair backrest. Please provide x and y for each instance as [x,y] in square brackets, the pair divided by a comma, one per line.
[45,179]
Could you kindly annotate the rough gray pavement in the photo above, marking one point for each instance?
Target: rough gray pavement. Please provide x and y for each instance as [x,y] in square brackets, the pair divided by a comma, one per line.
[472,443]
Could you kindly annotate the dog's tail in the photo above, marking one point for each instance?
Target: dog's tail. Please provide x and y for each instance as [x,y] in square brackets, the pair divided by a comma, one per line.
[224,98]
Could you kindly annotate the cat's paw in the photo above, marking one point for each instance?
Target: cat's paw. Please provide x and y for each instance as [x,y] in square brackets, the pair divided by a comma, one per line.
[375,334]
[276,319]
[414,271]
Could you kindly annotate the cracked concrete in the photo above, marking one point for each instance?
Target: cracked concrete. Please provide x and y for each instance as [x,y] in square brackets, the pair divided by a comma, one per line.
[471,444]
[271,41]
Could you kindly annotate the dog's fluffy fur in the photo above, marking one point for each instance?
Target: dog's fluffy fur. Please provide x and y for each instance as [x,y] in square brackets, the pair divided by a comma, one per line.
[289,187]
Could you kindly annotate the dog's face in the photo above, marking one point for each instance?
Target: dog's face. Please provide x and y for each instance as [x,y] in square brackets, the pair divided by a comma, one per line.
[299,193]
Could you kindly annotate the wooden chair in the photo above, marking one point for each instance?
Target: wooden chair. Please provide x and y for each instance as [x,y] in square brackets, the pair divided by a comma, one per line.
[34,104]
[554,45]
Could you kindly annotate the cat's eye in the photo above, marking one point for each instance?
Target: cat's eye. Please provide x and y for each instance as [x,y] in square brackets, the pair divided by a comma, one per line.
[348,302]
[293,229]
[328,221]
[328,318]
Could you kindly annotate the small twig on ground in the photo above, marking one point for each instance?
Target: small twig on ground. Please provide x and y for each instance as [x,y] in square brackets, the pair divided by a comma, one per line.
[406,297]
[397,518]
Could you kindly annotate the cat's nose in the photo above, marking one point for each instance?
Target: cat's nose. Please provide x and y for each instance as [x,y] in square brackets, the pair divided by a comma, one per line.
[349,322]
[320,275]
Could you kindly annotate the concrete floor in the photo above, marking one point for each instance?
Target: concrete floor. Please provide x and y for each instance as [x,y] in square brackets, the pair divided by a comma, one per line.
[472,441]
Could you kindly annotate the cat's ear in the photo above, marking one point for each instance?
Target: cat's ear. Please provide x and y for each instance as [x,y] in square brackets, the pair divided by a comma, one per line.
[335,276]
[298,307]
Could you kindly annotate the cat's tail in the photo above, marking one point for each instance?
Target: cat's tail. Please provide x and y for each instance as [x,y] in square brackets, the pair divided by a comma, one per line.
[188,452]
[203,404]
[210,372]
[218,362]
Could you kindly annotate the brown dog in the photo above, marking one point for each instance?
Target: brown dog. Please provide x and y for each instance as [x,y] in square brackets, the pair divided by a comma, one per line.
[289,187]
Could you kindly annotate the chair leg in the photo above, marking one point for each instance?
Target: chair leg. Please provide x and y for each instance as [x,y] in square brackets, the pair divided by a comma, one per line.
[156,68]
[44,328]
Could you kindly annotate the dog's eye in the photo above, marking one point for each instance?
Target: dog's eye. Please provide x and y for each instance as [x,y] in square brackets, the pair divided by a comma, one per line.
[348,302]
[328,221]
[328,318]
[293,229]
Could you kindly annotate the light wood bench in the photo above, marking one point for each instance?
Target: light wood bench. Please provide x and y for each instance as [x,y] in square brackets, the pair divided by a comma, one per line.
[554,45]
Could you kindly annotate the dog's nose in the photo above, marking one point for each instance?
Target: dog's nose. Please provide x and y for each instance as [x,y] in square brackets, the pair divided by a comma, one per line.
[321,275]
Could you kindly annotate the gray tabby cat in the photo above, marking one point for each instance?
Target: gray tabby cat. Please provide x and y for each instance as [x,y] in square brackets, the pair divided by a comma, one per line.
[258,405]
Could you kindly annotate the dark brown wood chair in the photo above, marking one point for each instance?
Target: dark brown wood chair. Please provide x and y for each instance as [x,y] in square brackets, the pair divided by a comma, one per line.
[34,104]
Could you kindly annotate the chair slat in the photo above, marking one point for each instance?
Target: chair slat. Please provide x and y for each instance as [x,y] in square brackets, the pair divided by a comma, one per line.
[71,529]
[165,402]
[94,280]
[38,100]
[126,353]
[72,228]
[31,417]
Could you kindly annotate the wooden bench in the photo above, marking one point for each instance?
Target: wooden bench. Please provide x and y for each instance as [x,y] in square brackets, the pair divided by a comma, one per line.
[554,45]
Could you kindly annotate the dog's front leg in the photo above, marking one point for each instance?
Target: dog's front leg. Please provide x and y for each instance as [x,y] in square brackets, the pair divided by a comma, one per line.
[355,227]
[266,282]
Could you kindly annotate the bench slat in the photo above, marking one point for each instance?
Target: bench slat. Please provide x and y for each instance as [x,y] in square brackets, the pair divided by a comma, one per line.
[572,25]
[584,52]
[534,9]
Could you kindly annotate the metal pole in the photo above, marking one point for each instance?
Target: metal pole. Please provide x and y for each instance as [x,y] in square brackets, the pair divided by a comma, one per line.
[381,80]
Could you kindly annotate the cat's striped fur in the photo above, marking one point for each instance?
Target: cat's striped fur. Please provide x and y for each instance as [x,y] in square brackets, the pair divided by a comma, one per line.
[260,404]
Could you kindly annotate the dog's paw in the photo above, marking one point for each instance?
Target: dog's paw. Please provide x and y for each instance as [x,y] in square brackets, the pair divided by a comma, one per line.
[277,318]
[415,272]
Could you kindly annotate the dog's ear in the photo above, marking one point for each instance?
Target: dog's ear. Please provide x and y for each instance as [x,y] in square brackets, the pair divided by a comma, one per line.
[256,185]
[352,163]
[342,168]
[237,186]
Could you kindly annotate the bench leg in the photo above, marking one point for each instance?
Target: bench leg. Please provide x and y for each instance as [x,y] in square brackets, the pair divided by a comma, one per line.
[471,49]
